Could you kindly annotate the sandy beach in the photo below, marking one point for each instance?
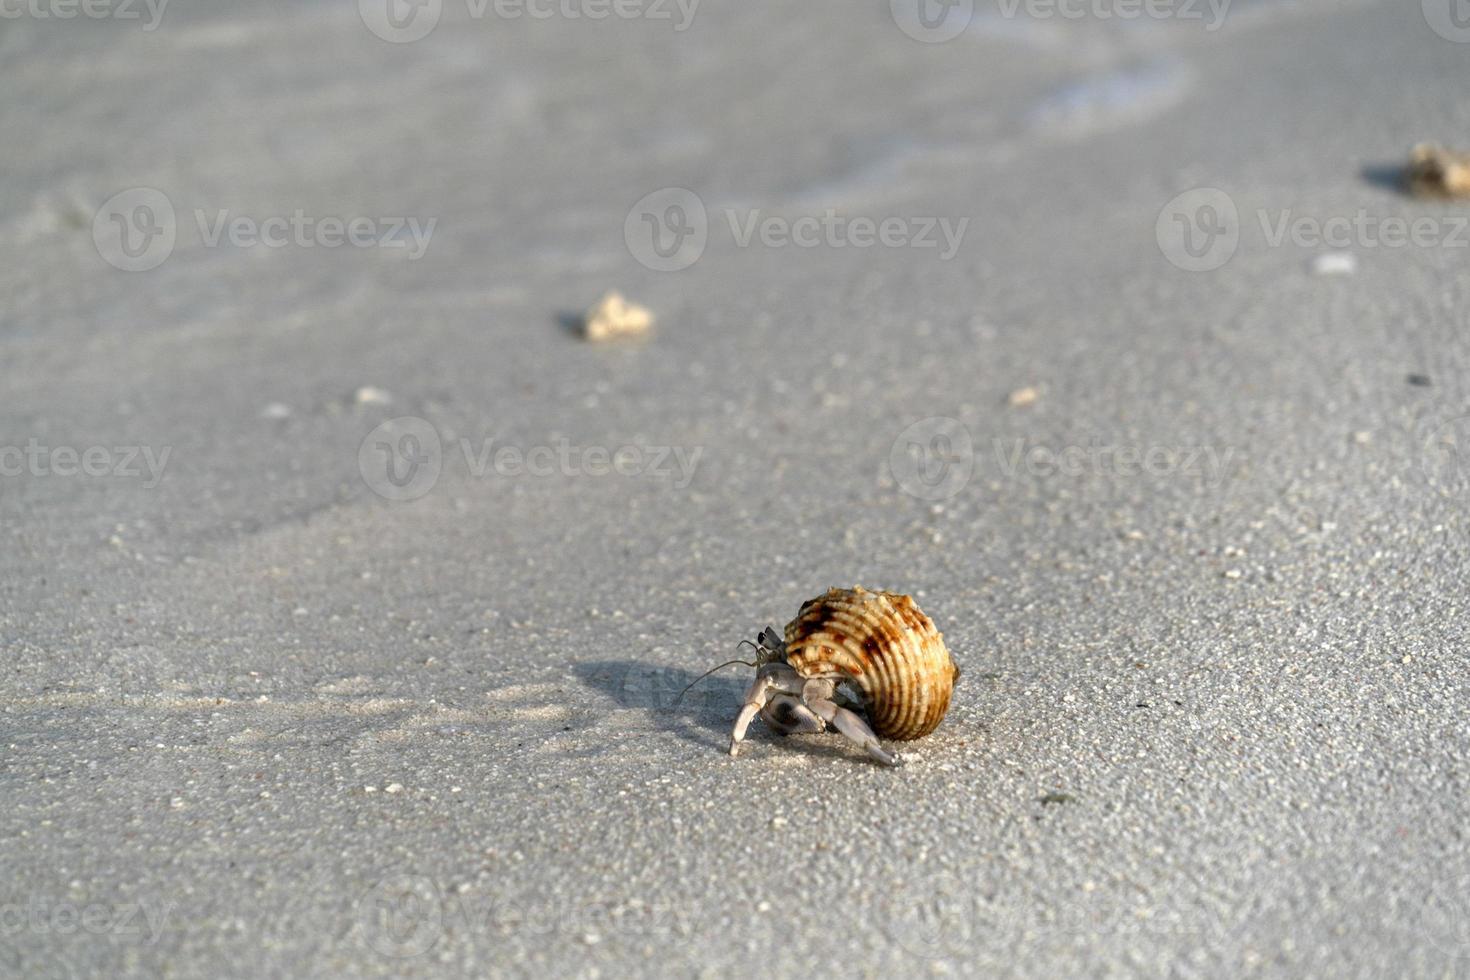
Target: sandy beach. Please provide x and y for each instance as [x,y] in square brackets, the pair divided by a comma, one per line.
[346,588]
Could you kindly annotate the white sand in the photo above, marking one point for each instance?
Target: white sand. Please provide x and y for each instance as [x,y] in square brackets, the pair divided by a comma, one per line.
[258,719]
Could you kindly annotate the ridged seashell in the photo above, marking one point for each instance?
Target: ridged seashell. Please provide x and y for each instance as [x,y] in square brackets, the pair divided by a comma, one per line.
[882,645]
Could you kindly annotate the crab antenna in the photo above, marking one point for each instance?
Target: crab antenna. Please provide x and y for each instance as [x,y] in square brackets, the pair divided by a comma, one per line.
[702,676]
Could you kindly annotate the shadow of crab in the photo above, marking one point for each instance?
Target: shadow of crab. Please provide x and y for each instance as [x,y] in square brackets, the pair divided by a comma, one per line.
[705,714]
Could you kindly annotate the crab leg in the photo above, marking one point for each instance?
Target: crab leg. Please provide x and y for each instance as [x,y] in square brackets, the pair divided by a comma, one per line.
[786,714]
[770,680]
[853,727]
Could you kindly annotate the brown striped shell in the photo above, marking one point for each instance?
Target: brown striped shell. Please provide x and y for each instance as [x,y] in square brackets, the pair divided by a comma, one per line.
[881,644]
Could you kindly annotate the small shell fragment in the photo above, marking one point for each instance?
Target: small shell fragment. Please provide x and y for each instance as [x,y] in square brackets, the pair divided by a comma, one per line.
[1334,264]
[1023,397]
[614,316]
[1437,172]
[369,395]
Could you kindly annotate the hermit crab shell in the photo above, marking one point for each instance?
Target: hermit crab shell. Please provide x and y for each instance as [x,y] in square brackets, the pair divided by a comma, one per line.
[882,645]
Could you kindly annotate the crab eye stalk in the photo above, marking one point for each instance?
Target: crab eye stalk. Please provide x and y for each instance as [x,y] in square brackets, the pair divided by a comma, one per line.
[773,648]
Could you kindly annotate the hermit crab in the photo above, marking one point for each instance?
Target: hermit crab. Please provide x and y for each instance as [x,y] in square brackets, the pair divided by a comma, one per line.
[876,651]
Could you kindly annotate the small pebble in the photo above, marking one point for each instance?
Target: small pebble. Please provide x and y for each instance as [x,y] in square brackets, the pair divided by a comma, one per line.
[1232,573]
[1022,397]
[614,316]
[368,395]
[394,788]
[1335,264]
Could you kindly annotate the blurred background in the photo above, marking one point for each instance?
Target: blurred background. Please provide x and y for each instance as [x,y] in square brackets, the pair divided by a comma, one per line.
[346,581]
